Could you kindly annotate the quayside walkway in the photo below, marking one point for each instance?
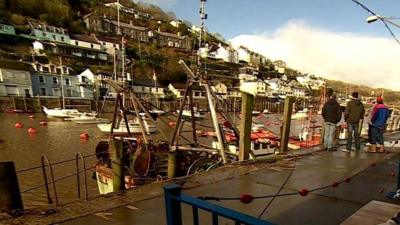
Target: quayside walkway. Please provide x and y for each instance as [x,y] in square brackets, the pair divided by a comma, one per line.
[376,174]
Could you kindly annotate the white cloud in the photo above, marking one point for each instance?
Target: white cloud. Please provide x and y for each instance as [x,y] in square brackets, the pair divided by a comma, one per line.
[348,57]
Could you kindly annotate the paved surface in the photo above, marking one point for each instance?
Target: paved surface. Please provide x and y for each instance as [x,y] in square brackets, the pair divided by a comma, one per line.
[329,206]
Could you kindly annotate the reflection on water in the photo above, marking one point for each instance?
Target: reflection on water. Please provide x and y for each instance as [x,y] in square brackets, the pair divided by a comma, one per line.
[60,141]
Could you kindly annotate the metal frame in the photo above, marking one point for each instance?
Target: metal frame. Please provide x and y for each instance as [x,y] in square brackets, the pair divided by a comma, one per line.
[174,198]
[45,159]
[77,157]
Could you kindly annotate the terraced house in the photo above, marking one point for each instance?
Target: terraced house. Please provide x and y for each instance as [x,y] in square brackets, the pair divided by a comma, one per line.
[15,78]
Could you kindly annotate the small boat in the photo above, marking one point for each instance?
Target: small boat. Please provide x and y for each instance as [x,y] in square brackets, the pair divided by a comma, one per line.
[61,113]
[256,113]
[88,119]
[157,112]
[134,127]
[302,114]
[266,111]
[188,113]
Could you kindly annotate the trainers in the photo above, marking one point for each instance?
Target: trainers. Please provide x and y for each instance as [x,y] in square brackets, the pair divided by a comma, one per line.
[345,150]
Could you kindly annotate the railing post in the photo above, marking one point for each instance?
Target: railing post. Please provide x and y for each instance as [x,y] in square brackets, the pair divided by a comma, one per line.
[245,126]
[172,205]
[10,194]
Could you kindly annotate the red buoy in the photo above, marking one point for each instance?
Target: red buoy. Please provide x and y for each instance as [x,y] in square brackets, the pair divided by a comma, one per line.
[347,180]
[172,124]
[246,198]
[18,125]
[31,116]
[43,123]
[335,184]
[84,135]
[303,192]
[32,130]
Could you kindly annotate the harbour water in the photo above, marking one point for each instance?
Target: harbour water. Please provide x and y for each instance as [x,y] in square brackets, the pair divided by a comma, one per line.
[60,141]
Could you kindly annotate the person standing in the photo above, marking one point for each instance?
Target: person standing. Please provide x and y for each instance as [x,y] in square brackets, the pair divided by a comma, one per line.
[332,114]
[353,113]
[379,116]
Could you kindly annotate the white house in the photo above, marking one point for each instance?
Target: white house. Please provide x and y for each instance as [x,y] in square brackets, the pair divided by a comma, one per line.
[176,23]
[248,74]
[243,54]
[110,46]
[220,89]
[259,87]
[85,42]
[15,79]
[178,91]
[147,88]
[86,82]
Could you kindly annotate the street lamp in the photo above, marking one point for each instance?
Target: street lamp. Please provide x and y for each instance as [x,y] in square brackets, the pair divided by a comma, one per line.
[374,18]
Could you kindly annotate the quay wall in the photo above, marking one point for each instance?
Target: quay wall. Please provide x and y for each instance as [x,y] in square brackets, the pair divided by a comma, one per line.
[34,104]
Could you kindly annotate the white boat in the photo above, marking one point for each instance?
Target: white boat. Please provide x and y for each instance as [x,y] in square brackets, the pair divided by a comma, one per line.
[157,112]
[266,111]
[257,127]
[302,114]
[256,113]
[188,113]
[61,113]
[134,127]
[88,119]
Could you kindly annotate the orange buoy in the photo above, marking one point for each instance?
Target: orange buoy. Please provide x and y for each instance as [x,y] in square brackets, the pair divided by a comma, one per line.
[84,135]
[172,123]
[19,125]
[31,116]
[43,123]
[32,130]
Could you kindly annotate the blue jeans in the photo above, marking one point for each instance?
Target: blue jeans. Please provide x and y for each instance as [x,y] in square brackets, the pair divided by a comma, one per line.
[353,130]
[329,134]
[377,135]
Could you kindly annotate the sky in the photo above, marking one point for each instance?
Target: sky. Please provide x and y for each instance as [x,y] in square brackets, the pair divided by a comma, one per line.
[328,38]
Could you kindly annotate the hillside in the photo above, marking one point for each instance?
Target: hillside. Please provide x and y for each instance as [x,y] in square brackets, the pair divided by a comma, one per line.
[390,96]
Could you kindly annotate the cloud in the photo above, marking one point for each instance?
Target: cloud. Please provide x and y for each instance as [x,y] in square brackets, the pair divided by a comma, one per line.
[353,58]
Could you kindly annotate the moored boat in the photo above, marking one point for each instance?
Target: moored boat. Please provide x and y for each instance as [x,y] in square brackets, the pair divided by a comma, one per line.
[133,125]
[61,113]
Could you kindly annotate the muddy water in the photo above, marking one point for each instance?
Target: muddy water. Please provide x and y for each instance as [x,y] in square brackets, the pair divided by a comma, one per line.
[60,141]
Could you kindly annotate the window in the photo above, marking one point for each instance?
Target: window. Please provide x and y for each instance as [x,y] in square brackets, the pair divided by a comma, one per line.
[43,91]
[67,82]
[41,79]
[44,34]
[69,93]
[65,70]
[58,71]
[62,38]
[114,45]
[76,43]
[27,93]
[54,37]
[46,69]
[55,80]
[91,46]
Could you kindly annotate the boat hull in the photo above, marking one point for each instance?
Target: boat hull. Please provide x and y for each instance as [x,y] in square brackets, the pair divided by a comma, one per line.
[122,129]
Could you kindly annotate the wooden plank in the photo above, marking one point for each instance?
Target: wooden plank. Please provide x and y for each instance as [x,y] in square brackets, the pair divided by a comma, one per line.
[375,212]
[245,126]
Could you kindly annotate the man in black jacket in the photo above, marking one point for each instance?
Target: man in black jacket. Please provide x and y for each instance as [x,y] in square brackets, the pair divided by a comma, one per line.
[353,114]
[332,114]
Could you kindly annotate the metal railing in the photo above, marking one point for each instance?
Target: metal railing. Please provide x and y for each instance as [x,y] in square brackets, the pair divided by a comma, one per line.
[174,198]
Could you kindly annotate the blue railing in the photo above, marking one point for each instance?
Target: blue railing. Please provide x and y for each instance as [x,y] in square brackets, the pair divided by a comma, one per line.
[174,198]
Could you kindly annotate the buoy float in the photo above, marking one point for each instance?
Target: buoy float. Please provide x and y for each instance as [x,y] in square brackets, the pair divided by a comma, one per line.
[43,123]
[246,198]
[31,116]
[347,180]
[304,192]
[19,125]
[172,124]
[335,184]
[84,135]
[32,130]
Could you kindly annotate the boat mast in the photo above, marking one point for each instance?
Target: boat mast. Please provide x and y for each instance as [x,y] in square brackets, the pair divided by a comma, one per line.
[122,52]
[62,80]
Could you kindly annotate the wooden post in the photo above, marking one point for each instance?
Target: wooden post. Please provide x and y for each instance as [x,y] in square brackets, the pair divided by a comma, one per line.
[287,117]
[116,147]
[10,194]
[171,164]
[245,126]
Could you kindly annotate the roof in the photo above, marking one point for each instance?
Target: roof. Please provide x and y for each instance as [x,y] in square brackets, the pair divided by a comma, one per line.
[122,24]
[86,38]
[183,86]
[109,39]
[39,25]
[15,65]
[170,35]
[145,82]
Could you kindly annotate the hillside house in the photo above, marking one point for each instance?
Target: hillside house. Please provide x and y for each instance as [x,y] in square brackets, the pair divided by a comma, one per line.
[110,45]
[147,88]
[86,82]
[48,78]
[15,78]
[136,13]
[178,90]
[165,39]
[44,32]
[7,29]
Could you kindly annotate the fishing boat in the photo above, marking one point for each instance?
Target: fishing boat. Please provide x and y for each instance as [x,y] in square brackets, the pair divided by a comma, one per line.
[133,125]
[157,112]
[266,111]
[301,114]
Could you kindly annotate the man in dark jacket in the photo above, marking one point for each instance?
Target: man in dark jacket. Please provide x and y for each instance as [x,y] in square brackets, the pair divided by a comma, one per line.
[379,116]
[353,113]
[332,114]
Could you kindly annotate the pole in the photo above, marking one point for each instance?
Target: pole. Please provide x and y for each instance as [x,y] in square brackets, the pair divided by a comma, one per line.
[62,82]
[116,147]
[245,126]
[215,122]
[287,116]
